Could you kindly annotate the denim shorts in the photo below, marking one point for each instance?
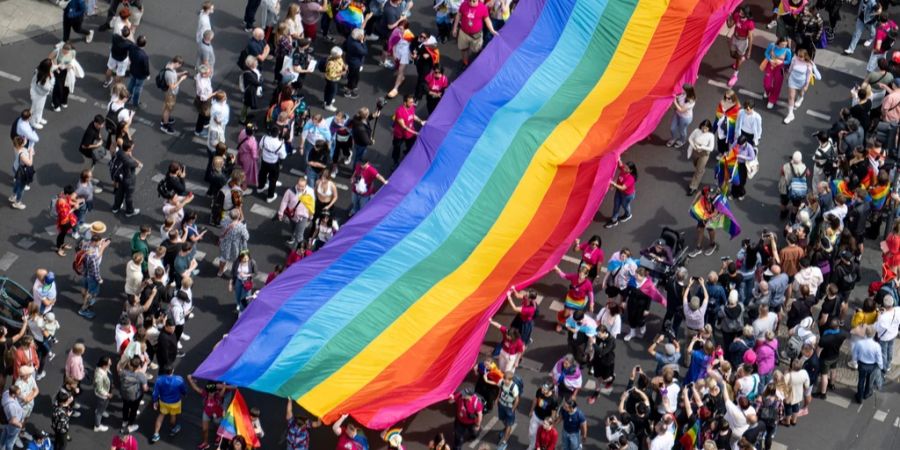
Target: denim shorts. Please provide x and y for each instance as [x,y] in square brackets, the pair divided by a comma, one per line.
[506,415]
[91,285]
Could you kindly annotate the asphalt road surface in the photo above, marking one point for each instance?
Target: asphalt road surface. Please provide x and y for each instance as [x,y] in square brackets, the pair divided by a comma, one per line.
[27,236]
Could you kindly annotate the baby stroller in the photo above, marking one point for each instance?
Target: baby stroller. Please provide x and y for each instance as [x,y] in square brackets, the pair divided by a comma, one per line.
[659,271]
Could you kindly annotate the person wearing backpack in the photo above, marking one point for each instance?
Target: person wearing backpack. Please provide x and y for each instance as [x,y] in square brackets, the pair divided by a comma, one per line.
[123,169]
[298,206]
[793,184]
[769,413]
[469,414]
[23,171]
[272,153]
[168,80]
[132,386]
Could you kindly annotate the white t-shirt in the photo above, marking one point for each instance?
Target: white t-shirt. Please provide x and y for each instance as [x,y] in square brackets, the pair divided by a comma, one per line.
[747,384]
[799,381]
[886,325]
[671,393]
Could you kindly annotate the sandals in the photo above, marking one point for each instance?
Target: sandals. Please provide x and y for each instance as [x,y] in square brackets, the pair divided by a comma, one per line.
[393,93]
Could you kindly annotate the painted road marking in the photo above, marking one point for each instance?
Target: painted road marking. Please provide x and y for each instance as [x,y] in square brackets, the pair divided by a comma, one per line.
[26,242]
[880,415]
[717,83]
[484,431]
[539,299]
[571,259]
[778,446]
[262,277]
[199,140]
[51,230]
[751,94]
[818,115]
[897,422]
[837,400]
[157,178]
[557,306]
[10,76]
[78,98]
[7,260]
[125,232]
[263,211]
[199,256]
[591,385]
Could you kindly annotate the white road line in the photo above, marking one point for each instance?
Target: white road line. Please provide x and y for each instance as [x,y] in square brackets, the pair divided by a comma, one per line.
[539,299]
[897,422]
[590,385]
[263,211]
[262,277]
[570,259]
[51,230]
[818,115]
[837,400]
[859,409]
[199,256]
[751,94]
[125,232]
[194,187]
[7,260]
[26,242]
[880,415]
[199,140]
[77,98]
[10,76]
[557,306]
[778,446]
[718,84]
[157,178]
[484,431]
[144,121]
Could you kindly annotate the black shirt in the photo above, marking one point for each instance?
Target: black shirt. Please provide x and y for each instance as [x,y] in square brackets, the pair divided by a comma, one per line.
[91,137]
[167,349]
[830,343]
[320,154]
[544,405]
[130,167]
[140,63]
[120,47]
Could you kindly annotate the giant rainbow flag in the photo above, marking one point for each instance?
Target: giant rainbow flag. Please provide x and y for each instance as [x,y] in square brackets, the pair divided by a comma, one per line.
[388,318]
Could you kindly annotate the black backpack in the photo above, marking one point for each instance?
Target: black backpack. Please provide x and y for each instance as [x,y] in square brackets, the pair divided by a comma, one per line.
[117,168]
[164,190]
[161,80]
[112,120]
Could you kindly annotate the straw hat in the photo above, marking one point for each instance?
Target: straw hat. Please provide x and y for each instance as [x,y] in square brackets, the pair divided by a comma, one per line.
[98,227]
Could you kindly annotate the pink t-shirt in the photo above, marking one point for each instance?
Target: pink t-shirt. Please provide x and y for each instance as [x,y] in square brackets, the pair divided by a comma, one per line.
[471,18]
[512,347]
[346,442]
[406,115]
[369,174]
[881,33]
[436,84]
[627,180]
[579,289]
[527,313]
[742,27]
[591,256]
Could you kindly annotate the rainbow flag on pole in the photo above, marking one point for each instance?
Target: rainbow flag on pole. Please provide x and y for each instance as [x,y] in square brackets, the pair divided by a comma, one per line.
[728,221]
[389,317]
[237,422]
[878,195]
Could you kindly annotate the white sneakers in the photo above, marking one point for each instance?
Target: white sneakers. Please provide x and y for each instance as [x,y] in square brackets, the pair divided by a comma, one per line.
[789,118]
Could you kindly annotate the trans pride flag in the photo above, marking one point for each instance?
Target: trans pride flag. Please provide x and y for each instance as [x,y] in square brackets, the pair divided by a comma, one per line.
[389,317]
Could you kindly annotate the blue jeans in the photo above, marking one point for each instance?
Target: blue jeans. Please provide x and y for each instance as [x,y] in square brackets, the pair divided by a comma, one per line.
[358,202]
[745,289]
[866,378]
[311,176]
[8,437]
[240,294]
[358,152]
[887,353]
[571,441]
[621,201]
[680,127]
[857,33]
[136,86]
[18,190]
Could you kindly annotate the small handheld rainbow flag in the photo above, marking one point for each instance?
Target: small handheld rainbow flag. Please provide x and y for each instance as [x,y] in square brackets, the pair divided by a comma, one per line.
[237,422]
[878,195]
[840,186]
[688,440]
[726,170]
[702,210]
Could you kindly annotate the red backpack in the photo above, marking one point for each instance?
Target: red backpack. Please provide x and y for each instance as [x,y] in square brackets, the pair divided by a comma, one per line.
[79,262]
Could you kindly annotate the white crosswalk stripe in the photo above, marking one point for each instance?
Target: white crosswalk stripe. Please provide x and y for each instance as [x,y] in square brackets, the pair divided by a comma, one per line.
[7,260]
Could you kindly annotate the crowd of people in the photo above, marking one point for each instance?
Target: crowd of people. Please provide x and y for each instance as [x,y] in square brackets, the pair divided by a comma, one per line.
[740,351]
